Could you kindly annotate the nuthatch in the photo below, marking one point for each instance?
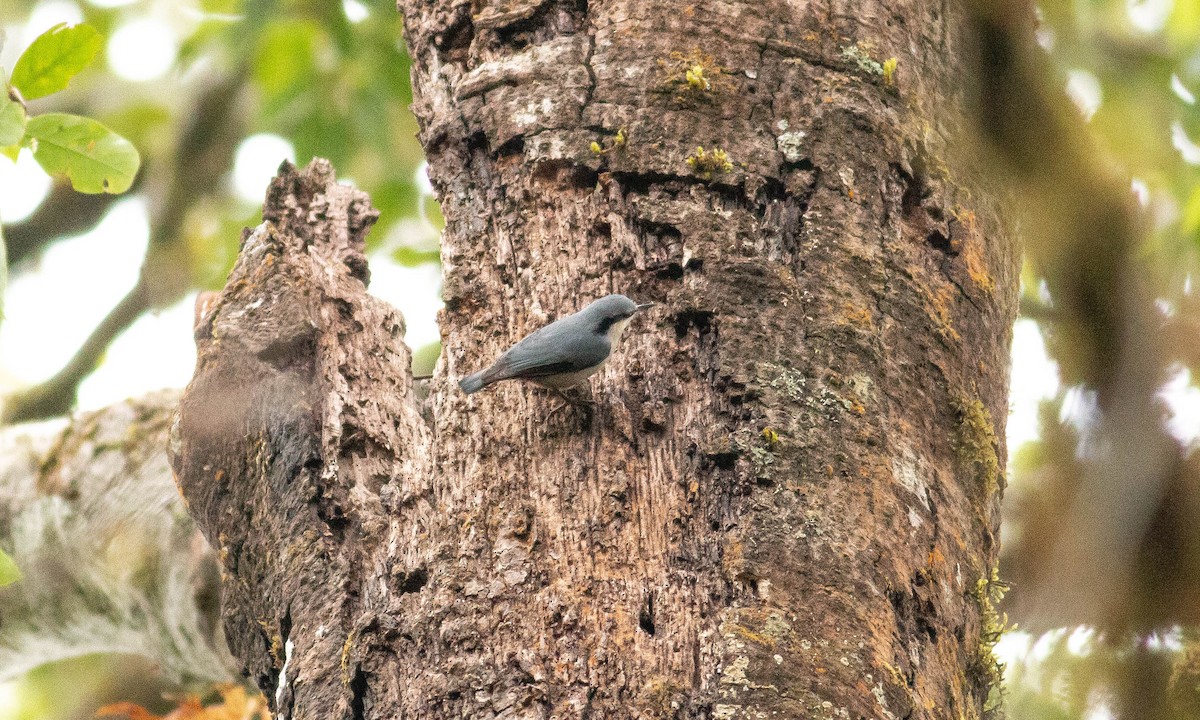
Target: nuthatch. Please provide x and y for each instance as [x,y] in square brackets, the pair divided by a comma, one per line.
[564,353]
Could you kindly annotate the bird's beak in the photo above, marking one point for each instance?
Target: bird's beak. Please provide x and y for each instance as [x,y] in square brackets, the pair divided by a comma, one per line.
[643,306]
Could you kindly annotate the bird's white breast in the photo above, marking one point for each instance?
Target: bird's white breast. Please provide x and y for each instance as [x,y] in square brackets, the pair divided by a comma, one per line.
[567,380]
[615,330]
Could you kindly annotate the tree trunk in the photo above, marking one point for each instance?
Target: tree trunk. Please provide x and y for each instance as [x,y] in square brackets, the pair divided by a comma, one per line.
[783,504]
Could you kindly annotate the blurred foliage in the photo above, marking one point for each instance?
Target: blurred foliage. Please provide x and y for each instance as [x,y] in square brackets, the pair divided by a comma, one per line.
[330,78]
[1101,511]
[75,688]
[9,572]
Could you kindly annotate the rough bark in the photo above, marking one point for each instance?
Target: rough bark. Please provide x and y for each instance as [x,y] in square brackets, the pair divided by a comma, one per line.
[784,503]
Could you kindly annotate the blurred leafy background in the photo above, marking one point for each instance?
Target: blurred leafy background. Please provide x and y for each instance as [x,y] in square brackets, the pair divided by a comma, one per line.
[1101,514]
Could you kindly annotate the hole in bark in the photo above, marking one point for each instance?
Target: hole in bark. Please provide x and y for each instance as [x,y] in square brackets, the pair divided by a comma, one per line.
[515,146]
[358,697]
[670,271]
[477,141]
[414,581]
[646,616]
[915,189]
[285,624]
[724,460]
[687,319]
[455,42]
[941,242]
[289,352]
[565,174]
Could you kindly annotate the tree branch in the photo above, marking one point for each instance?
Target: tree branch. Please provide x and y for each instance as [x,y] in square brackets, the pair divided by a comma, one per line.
[56,395]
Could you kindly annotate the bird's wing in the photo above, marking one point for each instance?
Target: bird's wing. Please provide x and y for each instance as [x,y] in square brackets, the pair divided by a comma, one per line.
[552,350]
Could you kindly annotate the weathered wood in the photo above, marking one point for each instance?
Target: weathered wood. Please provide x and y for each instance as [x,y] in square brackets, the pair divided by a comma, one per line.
[785,500]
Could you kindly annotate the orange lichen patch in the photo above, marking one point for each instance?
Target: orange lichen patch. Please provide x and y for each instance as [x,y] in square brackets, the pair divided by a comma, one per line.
[733,562]
[939,312]
[857,316]
[936,558]
[977,267]
[759,626]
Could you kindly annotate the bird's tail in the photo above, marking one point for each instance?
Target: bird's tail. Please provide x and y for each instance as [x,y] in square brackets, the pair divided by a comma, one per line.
[473,383]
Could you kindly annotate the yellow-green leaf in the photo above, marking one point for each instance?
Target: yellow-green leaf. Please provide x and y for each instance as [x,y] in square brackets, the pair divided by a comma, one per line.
[12,121]
[95,158]
[9,573]
[55,57]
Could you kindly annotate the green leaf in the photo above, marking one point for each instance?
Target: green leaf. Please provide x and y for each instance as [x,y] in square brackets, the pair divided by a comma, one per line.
[11,152]
[409,256]
[12,121]
[9,573]
[55,57]
[95,158]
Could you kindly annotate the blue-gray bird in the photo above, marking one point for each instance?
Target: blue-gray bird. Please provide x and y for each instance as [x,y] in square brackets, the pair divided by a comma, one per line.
[564,353]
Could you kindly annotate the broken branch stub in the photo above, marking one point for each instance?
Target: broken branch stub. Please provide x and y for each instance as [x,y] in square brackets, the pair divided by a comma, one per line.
[297,431]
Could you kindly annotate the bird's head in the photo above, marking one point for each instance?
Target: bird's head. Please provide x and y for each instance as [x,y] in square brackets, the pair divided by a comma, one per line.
[610,314]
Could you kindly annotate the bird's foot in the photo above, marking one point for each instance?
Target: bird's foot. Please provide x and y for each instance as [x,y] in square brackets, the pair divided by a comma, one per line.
[570,399]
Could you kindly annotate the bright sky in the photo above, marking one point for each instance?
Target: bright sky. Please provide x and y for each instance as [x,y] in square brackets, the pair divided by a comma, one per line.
[45,325]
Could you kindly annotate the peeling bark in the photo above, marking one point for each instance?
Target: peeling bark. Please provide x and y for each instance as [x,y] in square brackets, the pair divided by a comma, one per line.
[785,500]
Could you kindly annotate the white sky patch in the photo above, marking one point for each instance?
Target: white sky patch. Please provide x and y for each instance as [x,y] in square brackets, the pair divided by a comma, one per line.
[1079,642]
[415,291]
[287,659]
[111,3]
[1188,150]
[1013,647]
[10,700]
[50,310]
[1098,707]
[23,186]
[156,352]
[1141,191]
[256,162]
[421,179]
[1148,15]
[1183,401]
[1045,644]
[355,11]
[142,49]
[1034,379]
[1084,90]
[1181,90]
[46,15]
